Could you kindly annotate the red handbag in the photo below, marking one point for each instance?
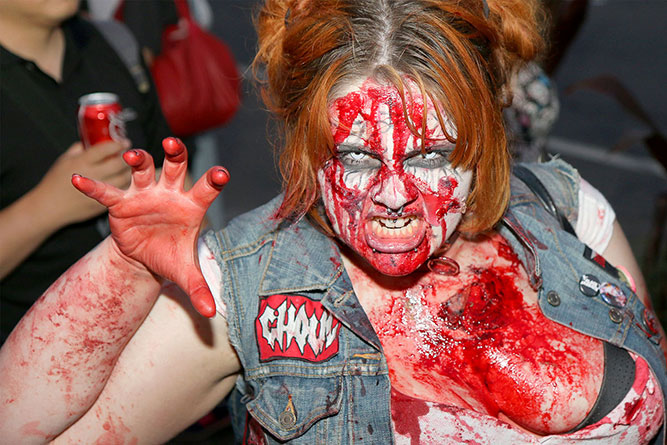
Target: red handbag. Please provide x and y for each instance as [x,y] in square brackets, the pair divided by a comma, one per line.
[196,77]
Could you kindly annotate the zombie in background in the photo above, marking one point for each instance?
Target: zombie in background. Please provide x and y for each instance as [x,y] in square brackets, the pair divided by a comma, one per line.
[405,287]
[533,113]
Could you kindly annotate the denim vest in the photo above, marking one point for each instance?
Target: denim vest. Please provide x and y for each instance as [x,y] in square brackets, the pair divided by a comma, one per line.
[310,378]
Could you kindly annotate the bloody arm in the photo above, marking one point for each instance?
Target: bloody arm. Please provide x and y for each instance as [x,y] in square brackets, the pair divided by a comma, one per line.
[58,359]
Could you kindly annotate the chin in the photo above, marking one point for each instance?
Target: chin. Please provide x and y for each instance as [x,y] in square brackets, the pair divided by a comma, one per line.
[398,264]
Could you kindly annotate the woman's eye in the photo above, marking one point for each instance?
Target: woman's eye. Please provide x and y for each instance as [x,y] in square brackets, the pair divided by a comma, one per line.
[431,159]
[358,159]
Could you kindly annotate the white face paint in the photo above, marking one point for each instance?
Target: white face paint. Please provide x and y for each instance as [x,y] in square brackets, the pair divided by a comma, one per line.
[389,202]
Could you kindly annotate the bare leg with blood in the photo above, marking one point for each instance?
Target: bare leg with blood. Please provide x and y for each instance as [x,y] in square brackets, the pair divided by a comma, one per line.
[64,350]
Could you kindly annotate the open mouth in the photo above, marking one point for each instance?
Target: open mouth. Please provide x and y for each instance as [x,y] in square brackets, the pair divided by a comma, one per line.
[394,235]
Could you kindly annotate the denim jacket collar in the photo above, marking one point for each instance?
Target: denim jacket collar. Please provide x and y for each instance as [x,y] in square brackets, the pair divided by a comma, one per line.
[524,244]
[295,257]
[301,259]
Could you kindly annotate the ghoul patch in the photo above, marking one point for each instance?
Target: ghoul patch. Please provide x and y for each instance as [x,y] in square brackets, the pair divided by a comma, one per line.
[294,326]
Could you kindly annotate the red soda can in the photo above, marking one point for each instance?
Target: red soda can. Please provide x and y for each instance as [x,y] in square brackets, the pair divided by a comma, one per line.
[100,119]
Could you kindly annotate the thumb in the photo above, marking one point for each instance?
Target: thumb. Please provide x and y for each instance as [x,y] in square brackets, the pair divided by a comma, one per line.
[201,298]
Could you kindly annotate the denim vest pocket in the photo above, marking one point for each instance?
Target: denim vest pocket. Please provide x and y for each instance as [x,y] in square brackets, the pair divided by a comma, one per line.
[287,406]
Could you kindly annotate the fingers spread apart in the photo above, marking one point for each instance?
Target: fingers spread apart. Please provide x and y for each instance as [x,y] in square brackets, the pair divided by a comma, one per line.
[207,188]
[143,169]
[105,194]
[175,163]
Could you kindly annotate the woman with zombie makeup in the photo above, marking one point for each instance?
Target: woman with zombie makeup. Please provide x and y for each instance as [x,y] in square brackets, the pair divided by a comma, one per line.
[405,287]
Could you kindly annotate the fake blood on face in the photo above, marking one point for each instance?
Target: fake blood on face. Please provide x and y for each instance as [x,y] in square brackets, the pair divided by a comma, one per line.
[475,341]
[390,209]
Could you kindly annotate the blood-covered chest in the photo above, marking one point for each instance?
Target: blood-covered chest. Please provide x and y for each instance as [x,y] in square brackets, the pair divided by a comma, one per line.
[479,341]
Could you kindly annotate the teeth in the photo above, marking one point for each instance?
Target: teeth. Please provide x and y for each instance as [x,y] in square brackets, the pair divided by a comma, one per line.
[395,223]
[393,227]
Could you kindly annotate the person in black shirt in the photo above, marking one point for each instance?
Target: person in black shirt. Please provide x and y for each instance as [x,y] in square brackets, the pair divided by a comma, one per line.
[49,58]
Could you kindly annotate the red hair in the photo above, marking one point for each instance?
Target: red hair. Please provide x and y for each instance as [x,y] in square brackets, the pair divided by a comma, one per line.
[456,54]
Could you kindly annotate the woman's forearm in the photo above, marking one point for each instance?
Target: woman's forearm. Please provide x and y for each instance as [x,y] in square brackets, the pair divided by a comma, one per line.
[20,232]
[59,357]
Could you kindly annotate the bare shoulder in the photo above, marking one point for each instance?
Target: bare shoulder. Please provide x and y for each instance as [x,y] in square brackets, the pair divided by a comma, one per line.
[176,368]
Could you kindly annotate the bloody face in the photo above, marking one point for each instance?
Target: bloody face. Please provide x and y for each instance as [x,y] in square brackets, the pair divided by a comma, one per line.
[388,200]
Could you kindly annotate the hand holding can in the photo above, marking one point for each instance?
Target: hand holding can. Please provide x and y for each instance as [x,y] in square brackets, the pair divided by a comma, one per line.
[100,119]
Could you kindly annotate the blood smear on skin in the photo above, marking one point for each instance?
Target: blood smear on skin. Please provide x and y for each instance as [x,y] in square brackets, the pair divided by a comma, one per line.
[484,338]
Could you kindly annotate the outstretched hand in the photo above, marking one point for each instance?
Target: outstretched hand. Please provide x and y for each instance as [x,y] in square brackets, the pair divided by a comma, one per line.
[157,223]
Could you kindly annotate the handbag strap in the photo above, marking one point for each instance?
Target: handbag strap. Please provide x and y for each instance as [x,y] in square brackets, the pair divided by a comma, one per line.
[123,42]
[535,185]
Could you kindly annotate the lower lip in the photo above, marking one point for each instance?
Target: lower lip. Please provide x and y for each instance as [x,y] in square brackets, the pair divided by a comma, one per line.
[396,244]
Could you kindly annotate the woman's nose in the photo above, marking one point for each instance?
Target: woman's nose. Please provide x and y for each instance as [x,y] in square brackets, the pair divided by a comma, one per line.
[393,193]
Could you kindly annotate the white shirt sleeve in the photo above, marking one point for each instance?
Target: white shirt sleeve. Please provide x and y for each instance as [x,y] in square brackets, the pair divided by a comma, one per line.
[212,274]
[595,223]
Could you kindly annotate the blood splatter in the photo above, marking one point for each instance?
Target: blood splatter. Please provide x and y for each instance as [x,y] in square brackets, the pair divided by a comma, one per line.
[32,429]
[476,341]
[115,432]
[405,413]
